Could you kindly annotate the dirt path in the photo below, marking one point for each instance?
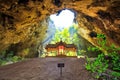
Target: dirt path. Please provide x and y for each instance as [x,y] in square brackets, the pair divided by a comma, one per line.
[46,69]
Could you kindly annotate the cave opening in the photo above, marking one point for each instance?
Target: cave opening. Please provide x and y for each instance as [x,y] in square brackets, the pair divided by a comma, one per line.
[62,26]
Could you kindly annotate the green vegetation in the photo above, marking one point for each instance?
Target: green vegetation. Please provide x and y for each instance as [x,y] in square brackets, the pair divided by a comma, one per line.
[109,59]
[115,74]
[98,66]
[25,52]
[8,58]
[69,36]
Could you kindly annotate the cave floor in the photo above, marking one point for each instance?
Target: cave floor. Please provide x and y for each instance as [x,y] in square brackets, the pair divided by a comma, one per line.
[46,69]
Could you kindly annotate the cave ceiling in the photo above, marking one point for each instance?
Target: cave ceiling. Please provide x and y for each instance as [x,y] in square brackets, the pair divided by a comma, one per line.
[23,22]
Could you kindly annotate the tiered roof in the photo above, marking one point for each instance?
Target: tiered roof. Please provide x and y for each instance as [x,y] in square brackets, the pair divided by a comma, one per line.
[60,44]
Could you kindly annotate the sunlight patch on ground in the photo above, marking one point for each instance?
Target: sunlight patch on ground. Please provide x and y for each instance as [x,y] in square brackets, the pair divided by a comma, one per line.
[80,56]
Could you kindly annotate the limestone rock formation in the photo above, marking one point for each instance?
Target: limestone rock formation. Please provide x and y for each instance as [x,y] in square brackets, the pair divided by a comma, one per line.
[23,23]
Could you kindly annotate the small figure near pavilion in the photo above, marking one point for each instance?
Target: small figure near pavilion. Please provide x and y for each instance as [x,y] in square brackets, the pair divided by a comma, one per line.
[61,49]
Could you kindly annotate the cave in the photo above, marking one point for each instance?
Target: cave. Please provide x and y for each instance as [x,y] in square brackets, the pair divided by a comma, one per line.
[28,26]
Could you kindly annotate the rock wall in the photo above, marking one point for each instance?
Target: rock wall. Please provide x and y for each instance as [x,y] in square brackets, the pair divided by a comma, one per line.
[23,23]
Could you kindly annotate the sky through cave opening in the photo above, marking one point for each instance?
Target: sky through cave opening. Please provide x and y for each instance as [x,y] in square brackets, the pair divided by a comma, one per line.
[62,26]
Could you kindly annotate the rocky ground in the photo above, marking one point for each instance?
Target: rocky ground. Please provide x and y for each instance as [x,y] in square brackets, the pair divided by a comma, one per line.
[46,69]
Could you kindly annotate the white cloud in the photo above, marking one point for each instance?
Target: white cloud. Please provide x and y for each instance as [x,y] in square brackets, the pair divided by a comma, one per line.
[64,19]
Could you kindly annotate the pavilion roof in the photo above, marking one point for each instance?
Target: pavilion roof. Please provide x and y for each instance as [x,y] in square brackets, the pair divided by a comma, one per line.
[60,44]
